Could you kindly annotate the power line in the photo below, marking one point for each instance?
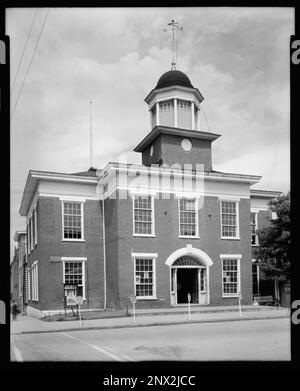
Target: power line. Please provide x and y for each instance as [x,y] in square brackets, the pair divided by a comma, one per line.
[22,55]
[30,63]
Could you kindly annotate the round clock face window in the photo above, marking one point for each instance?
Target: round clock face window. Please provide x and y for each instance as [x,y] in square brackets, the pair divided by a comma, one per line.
[186,144]
[151,150]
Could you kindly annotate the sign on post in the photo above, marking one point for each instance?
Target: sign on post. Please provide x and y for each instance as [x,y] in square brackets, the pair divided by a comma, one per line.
[79,302]
[240,306]
[189,305]
[133,301]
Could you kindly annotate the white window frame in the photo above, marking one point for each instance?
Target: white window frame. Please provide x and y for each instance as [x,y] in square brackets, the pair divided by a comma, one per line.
[35,226]
[35,281]
[29,282]
[256,227]
[153,257]
[81,202]
[152,215]
[237,237]
[31,233]
[236,257]
[196,236]
[82,260]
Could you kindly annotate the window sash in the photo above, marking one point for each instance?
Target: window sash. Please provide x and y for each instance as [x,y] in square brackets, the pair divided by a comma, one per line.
[144,277]
[230,277]
[229,219]
[187,217]
[143,215]
[72,220]
[74,273]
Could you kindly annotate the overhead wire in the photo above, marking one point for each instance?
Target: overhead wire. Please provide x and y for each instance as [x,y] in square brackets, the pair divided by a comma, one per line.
[23,52]
[31,60]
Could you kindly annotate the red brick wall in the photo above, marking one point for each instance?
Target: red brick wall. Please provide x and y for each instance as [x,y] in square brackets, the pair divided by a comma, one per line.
[168,148]
[50,244]
[167,241]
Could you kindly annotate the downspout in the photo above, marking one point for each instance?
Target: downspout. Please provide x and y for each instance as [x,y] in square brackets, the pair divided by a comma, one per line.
[104,254]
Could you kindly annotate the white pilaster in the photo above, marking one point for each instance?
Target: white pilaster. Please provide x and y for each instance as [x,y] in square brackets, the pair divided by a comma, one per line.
[175,112]
[198,120]
[193,114]
[157,113]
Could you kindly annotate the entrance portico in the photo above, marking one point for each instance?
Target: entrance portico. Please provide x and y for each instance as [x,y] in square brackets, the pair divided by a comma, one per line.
[189,274]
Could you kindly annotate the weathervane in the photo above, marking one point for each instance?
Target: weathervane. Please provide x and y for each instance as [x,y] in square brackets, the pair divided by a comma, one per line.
[174,27]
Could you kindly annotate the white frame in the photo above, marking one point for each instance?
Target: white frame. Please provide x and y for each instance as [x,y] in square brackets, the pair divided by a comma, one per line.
[256,227]
[196,236]
[35,282]
[237,237]
[35,226]
[152,215]
[29,282]
[72,201]
[153,257]
[236,257]
[76,259]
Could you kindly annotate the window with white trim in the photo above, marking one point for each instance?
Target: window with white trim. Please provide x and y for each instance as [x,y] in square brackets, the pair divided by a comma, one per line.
[34,282]
[29,282]
[230,277]
[143,215]
[74,274]
[35,226]
[31,233]
[229,219]
[145,278]
[188,217]
[72,220]
[253,222]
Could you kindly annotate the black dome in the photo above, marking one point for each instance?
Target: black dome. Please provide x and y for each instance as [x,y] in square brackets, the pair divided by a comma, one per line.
[174,78]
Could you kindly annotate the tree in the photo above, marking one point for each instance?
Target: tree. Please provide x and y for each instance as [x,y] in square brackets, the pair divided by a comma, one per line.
[274,241]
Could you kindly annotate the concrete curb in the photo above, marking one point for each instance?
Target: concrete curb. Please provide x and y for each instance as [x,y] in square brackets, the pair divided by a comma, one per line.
[205,311]
[167,323]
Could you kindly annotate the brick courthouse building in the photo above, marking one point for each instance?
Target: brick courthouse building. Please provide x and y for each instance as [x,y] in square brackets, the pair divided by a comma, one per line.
[160,230]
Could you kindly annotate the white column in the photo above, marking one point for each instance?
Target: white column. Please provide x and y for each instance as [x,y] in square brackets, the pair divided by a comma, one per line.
[157,113]
[198,121]
[193,115]
[175,112]
[175,285]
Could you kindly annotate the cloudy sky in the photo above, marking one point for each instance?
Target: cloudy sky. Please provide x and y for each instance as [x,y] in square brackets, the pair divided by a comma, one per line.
[237,57]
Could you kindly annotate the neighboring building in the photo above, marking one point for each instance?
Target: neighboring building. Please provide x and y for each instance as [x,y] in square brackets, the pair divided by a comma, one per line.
[18,271]
[162,230]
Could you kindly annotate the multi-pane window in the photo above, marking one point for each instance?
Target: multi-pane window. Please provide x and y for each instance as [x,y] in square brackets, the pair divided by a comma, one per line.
[34,282]
[143,224]
[184,115]
[74,275]
[203,280]
[229,219]
[29,283]
[253,220]
[166,113]
[188,217]
[230,277]
[72,220]
[35,226]
[144,277]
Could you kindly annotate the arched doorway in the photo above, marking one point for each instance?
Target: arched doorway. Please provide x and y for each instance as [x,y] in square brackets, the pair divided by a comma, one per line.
[189,274]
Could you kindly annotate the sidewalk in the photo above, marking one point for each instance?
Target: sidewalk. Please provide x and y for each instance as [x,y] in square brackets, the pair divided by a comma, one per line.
[27,324]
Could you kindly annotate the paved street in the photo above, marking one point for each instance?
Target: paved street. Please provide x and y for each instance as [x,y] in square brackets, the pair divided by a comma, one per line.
[265,339]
